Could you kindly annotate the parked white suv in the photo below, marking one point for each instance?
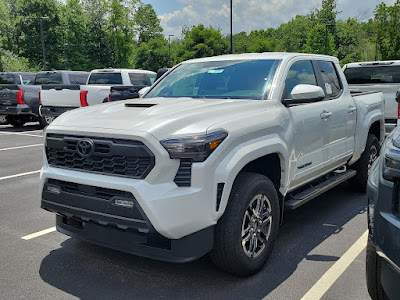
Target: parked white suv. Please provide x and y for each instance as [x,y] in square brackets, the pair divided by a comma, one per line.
[208,160]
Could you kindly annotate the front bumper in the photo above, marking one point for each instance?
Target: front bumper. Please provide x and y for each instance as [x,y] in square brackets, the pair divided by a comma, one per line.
[90,213]
[20,109]
[52,111]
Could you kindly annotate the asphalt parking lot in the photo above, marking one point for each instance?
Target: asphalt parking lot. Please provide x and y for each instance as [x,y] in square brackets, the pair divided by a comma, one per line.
[320,253]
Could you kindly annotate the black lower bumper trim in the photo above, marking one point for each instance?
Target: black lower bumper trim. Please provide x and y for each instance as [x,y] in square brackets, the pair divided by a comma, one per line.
[16,110]
[186,249]
[53,111]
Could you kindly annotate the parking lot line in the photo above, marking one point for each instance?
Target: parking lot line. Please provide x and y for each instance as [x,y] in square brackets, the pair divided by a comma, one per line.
[21,147]
[39,233]
[19,175]
[330,277]
[20,133]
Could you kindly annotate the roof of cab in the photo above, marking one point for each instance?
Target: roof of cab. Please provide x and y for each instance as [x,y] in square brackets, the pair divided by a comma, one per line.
[111,70]
[265,55]
[373,63]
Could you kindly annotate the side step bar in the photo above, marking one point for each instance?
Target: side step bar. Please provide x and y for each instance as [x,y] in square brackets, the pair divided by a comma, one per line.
[309,194]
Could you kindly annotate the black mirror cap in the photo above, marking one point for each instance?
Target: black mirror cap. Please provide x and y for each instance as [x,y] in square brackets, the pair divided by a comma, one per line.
[398,96]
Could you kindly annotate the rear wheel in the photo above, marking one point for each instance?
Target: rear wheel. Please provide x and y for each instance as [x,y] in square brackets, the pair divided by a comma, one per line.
[246,233]
[16,121]
[364,164]
[373,268]
[45,121]
[3,119]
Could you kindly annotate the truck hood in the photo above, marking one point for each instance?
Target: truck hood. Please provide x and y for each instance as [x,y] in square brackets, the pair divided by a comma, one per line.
[161,117]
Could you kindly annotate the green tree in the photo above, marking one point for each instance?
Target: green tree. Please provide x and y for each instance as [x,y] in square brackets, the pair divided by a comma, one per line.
[316,41]
[202,41]
[29,45]
[98,42]
[147,23]
[152,55]
[293,35]
[121,31]
[387,22]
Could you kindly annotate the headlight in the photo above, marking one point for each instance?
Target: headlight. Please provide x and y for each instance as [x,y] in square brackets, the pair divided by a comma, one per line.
[391,167]
[196,147]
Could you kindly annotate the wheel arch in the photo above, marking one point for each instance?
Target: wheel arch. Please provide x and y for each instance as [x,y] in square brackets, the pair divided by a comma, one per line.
[257,160]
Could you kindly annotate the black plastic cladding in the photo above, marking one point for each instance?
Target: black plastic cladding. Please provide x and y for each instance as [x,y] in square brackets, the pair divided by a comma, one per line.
[117,157]
[183,177]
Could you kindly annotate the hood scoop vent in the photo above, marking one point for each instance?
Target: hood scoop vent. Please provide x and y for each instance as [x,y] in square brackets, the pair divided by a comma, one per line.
[141,105]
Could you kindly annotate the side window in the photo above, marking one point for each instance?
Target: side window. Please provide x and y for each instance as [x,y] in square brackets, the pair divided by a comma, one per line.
[139,79]
[301,72]
[77,78]
[330,79]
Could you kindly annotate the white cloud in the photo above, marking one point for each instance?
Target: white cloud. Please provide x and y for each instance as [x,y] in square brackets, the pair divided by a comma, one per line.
[253,14]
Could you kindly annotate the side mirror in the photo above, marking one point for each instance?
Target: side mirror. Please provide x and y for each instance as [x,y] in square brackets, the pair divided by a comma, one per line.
[307,92]
[143,91]
[398,96]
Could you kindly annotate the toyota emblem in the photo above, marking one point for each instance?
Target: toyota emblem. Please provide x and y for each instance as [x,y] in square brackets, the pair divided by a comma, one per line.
[85,147]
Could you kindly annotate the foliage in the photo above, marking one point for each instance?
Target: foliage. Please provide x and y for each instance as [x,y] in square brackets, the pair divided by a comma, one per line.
[147,24]
[320,41]
[153,55]
[202,41]
[9,62]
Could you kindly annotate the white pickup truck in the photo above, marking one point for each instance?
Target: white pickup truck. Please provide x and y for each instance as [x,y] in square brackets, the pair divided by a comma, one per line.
[102,86]
[378,76]
[210,158]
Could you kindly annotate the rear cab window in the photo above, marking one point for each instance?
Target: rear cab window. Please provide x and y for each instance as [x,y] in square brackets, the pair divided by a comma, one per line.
[105,78]
[330,79]
[48,78]
[7,79]
[28,79]
[77,78]
[373,74]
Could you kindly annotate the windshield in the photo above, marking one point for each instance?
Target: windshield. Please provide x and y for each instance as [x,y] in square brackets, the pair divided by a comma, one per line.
[105,78]
[6,79]
[376,74]
[48,78]
[233,79]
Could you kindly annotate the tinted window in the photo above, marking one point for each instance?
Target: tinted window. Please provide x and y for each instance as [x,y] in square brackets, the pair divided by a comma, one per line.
[376,74]
[330,78]
[139,79]
[28,79]
[48,78]
[7,79]
[105,78]
[77,78]
[301,72]
[227,79]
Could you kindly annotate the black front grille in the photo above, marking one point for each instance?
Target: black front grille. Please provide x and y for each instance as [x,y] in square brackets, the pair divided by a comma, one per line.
[92,198]
[109,156]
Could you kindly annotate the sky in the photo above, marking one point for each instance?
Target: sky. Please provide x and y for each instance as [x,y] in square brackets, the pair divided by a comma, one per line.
[248,14]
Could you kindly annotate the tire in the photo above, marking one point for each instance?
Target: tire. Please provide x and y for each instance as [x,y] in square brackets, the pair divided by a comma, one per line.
[373,272]
[363,165]
[3,120]
[236,226]
[16,121]
[45,121]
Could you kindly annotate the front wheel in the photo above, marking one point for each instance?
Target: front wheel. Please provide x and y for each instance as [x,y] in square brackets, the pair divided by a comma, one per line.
[246,233]
[45,121]
[364,164]
[373,272]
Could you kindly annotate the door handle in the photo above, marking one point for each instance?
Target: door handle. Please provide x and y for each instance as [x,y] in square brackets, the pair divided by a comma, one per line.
[351,109]
[325,115]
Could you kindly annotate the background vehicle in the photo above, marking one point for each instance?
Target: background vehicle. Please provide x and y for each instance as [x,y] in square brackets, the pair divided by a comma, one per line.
[378,76]
[15,87]
[211,156]
[20,102]
[104,85]
[383,249]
